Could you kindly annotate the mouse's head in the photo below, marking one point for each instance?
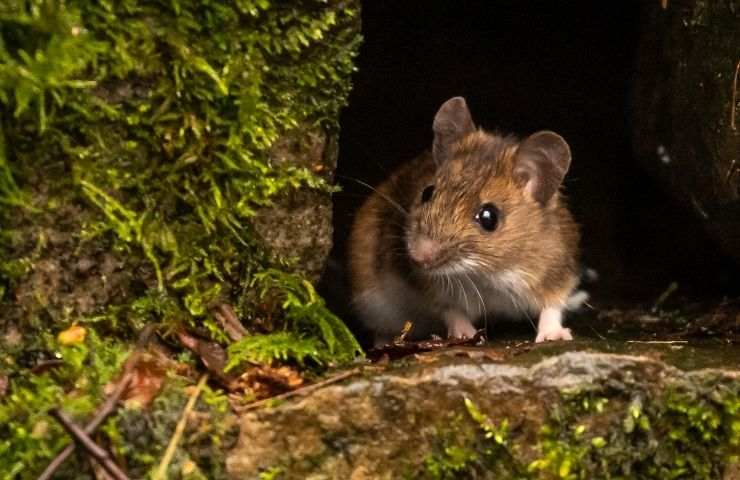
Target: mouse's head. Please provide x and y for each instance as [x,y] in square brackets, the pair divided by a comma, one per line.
[492,200]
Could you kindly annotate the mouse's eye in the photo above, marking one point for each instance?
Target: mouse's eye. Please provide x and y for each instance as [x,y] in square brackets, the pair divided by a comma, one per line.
[487,217]
[426,195]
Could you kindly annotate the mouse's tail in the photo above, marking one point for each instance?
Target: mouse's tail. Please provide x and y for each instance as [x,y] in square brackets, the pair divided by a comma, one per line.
[579,297]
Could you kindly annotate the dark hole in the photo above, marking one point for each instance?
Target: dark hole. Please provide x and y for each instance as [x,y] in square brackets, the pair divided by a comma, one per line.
[525,66]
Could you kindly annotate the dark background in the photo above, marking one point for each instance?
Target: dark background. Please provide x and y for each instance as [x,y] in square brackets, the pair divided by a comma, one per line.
[525,66]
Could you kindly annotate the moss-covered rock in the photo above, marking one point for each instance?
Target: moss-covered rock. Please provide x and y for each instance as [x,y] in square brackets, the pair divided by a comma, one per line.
[159,161]
[159,150]
[572,415]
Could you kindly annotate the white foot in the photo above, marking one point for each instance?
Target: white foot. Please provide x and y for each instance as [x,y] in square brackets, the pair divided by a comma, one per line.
[550,326]
[559,334]
[459,325]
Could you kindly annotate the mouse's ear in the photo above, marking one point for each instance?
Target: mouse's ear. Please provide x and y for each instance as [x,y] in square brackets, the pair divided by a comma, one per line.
[541,163]
[452,122]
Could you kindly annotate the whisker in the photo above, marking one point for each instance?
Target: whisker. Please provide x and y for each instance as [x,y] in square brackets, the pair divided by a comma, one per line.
[382,195]
[465,295]
[531,322]
[480,297]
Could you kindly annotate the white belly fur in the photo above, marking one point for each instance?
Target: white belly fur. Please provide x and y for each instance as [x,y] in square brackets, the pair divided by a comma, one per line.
[506,293]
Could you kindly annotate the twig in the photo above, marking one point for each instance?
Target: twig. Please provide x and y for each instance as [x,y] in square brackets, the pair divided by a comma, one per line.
[100,454]
[597,333]
[226,316]
[664,296]
[730,171]
[733,103]
[300,391]
[404,332]
[658,342]
[179,430]
[105,410]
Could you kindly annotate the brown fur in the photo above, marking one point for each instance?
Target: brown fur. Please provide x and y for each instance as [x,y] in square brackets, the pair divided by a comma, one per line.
[537,241]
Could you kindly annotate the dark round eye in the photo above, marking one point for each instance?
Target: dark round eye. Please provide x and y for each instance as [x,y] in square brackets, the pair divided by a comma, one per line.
[487,217]
[426,195]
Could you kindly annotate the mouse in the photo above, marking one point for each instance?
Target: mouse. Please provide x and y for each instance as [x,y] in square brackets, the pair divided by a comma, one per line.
[475,228]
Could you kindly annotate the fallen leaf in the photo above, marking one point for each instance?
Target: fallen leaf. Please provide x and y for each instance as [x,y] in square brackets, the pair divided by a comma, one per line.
[146,383]
[148,372]
[211,354]
[403,349]
[189,467]
[263,381]
[73,335]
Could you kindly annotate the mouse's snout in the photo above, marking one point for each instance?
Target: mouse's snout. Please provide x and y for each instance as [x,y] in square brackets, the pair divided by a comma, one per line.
[424,251]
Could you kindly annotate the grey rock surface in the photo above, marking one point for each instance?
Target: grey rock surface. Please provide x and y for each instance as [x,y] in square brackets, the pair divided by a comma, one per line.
[389,422]
[298,227]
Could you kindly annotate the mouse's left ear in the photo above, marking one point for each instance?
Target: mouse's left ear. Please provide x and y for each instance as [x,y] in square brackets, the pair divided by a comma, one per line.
[452,122]
[541,163]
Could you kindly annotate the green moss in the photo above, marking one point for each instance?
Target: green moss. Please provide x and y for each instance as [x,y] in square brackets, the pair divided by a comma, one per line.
[158,118]
[449,462]
[481,450]
[135,143]
[678,433]
[271,473]
[142,435]
[30,437]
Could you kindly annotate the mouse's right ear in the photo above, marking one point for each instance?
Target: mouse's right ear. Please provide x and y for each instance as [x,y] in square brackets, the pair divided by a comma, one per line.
[541,163]
[452,122]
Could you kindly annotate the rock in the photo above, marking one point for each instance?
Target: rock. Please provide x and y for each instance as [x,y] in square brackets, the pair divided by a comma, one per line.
[576,414]
[298,226]
[687,108]
[172,179]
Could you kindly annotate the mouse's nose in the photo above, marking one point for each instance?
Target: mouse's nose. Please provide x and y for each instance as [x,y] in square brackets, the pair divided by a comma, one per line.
[424,251]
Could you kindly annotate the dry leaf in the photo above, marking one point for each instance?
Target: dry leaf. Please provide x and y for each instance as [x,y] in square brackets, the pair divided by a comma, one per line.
[189,467]
[403,349]
[73,335]
[264,381]
[148,372]
[211,354]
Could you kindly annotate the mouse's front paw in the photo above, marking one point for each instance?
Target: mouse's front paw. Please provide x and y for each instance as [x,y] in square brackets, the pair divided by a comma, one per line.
[460,327]
[559,333]
[461,331]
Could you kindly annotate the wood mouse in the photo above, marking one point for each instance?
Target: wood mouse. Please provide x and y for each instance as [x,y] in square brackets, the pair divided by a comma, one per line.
[474,229]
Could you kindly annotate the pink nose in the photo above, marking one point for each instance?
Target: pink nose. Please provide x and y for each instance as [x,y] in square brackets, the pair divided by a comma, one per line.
[423,250]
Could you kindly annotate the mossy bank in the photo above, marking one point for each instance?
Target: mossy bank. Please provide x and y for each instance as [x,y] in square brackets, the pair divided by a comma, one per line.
[576,415]
[156,159]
